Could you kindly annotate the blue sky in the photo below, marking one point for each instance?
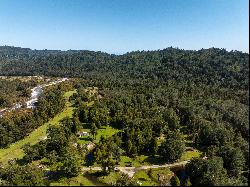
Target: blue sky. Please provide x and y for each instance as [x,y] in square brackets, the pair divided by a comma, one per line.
[119,26]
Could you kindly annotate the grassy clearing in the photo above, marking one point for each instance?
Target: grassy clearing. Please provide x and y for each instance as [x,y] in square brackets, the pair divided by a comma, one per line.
[147,177]
[188,155]
[136,162]
[141,160]
[15,149]
[157,160]
[144,179]
[154,173]
[80,180]
[105,131]
[151,177]
[109,179]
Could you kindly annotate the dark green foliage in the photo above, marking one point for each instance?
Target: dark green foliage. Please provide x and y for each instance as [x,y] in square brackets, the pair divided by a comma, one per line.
[208,172]
[233,158]
[212,66]
[28,175]
[70,163]
[125,180]
[154,146]
[186,182]
[49,104]
[107,153]
[172,148]
[93,130]
[57,138]
[34,152]
[214,134]
[175,181]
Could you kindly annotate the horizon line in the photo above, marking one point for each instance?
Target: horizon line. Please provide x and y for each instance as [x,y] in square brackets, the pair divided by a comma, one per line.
[122,53]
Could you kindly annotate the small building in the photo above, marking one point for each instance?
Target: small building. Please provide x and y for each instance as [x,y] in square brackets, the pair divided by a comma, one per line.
[82,133]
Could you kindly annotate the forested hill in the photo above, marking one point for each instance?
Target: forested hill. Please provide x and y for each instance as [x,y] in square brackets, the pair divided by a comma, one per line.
[208,66]
[157,103]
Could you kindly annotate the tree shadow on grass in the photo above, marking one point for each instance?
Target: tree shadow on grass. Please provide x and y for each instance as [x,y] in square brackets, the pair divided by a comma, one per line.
[93,177]
[21,162]
[156,160]
[54,176]
[86,138]
[142,179]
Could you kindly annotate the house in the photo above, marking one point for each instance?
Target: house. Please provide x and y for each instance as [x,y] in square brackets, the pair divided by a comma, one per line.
[82,133]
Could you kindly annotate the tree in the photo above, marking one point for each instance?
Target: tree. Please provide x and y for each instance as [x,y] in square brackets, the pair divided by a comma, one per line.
[175,181]
[52,159]
[125,180]
[233,159]
[93,130]
[34,152]
[186,182]
[172,119]
[154,146]
[70,163]
[107,153]
[27,175]
[69,126]
[172,148]
[57,139]
[208,172]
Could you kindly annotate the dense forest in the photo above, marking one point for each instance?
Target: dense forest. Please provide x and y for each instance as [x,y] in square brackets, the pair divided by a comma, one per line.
[158,101]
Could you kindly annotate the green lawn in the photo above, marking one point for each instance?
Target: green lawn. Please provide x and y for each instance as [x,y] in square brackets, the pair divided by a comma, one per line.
[105,131]
[188,155]
[109,179]
[149,177]
[157,160]
[15,149]
[136,162]
[143,177]
[80,180]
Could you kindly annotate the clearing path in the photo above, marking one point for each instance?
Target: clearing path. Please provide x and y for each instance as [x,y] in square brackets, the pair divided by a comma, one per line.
[15,150]
[132,170]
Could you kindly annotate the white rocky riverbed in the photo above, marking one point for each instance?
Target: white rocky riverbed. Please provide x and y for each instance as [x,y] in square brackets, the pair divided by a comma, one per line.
[35,93]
